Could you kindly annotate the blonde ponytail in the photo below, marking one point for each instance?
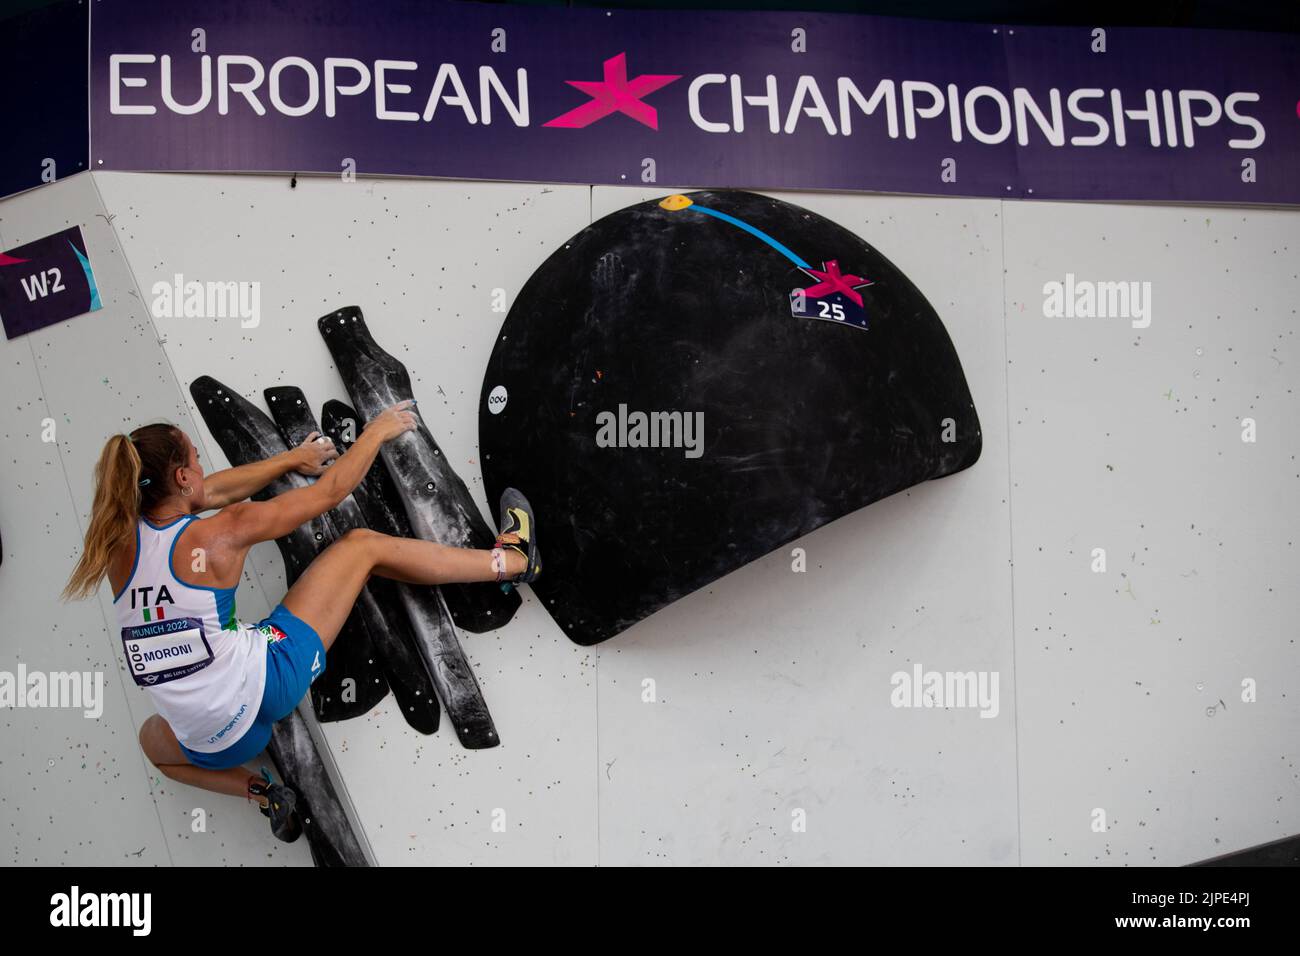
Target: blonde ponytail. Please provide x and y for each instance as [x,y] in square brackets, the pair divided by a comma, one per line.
[131,475]
[113,516]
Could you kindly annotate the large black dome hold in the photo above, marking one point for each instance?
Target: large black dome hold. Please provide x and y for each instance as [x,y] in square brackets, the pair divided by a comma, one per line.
[690,383]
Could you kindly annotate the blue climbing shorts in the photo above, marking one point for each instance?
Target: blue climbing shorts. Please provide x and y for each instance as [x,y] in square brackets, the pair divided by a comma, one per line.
[295,656]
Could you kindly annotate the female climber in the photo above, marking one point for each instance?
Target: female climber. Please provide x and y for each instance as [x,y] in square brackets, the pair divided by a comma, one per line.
[218,683]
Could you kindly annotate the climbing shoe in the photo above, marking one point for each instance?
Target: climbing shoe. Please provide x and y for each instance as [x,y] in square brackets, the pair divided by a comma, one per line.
[281,806]
[517,519]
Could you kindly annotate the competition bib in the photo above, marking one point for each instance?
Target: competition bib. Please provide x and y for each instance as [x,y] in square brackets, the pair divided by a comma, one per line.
[166,650]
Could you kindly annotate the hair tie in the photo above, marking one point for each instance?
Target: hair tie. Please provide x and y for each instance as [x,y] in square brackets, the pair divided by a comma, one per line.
[143,482]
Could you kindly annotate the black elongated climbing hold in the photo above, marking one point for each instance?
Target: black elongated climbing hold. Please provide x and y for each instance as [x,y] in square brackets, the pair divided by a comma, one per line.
[437,503]
[246,435]
[376,612]
[325,823]
[427,613]
[376,494]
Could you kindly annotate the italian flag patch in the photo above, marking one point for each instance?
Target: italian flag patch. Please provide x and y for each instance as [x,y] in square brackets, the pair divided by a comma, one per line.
[153,614]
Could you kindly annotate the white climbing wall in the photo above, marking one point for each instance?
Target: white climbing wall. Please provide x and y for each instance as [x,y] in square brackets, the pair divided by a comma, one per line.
[73,788]
[1130,682]
[1120,692]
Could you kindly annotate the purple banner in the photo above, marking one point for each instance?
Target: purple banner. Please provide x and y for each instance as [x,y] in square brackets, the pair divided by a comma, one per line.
[46,281]
[696,98]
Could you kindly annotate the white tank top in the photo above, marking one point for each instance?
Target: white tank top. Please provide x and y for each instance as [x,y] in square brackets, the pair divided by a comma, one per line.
[203,668]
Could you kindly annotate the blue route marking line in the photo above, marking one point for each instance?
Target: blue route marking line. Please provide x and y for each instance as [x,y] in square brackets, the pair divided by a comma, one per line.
[753,232]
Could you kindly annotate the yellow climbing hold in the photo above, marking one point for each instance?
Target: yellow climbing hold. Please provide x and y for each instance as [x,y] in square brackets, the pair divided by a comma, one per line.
[673,203]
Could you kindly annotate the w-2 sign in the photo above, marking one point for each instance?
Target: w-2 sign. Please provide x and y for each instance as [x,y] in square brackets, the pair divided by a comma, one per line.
[45,282]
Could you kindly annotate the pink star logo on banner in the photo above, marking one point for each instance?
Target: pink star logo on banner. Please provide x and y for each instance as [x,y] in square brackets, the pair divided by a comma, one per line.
[832,280]
[616,93]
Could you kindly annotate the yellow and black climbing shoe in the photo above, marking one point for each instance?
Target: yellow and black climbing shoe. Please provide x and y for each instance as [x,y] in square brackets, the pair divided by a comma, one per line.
[517,519]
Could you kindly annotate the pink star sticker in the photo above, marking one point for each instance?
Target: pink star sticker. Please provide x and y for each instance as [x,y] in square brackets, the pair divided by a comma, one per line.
[833,281]
[616,93]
